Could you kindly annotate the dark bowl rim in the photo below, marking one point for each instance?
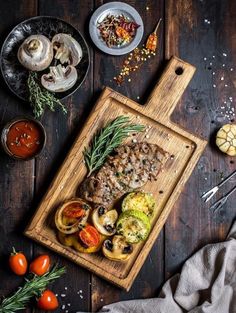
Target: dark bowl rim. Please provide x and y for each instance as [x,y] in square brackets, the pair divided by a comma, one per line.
[50,17]
[6,128]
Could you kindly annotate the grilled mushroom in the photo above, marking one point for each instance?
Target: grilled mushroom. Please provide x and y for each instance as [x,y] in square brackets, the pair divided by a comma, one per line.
[68,50]
[105,220]
[117,249]
[72,215]
[60,78]
[35,53]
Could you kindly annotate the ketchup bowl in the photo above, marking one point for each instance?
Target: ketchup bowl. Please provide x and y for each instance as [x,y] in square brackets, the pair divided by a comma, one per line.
[23,138]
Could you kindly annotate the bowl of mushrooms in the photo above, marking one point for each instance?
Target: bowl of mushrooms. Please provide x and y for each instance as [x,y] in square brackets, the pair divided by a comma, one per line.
[48,50]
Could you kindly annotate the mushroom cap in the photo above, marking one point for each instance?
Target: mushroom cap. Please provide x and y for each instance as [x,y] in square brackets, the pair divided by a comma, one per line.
[68,50]
[117,248]
[68,225]
[104,220]
[60,78]
[35,53]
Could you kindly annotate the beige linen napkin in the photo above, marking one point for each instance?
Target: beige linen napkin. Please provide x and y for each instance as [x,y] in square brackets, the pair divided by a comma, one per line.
[206,284]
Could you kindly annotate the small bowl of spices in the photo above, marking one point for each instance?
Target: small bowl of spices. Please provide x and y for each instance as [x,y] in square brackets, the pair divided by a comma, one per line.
[23,138]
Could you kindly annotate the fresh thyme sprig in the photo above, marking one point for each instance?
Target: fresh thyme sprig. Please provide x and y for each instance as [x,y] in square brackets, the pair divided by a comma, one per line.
[106,140]
[32,288]
[40,98]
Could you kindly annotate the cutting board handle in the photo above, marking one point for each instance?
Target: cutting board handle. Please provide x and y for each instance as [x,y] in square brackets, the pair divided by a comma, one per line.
[175,79]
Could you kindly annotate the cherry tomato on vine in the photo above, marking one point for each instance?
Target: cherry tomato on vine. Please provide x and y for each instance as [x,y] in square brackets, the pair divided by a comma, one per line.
[40,265]
[18,262]
[47,301]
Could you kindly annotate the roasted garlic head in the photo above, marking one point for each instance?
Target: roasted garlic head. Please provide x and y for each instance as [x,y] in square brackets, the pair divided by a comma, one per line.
[226,139]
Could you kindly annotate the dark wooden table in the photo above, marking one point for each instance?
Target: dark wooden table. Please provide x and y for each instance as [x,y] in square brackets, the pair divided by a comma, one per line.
[202,32]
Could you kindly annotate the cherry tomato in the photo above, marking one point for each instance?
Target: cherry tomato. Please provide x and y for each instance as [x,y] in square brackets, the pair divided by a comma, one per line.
[40,265]
[90,236]
[47,301]
[73,210]
[18,262]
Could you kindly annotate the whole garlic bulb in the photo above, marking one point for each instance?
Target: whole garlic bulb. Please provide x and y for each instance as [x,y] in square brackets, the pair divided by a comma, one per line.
[226,139]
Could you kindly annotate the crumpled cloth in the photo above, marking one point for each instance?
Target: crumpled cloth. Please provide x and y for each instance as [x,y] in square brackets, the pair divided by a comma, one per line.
[206,284]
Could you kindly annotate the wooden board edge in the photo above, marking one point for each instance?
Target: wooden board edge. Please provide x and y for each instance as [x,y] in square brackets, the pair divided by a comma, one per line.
[164,215]
[119,282]
[126,282]
[103,96]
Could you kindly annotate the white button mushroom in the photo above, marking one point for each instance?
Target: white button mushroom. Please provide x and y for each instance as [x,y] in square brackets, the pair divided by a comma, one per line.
[60,78]
[35,53]
[68,50]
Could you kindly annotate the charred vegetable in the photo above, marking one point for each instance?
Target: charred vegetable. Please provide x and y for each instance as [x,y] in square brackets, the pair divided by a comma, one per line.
[117,249]
[226,139]
[133,225]
[104,220]
[74,241]
[141,201]
[89,236]
[72,216]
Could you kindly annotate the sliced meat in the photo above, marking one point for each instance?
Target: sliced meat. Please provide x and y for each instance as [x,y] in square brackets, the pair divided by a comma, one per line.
[129,168]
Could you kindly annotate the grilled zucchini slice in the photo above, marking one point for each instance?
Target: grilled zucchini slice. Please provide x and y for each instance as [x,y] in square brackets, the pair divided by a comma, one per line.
[133,225]
[140,201]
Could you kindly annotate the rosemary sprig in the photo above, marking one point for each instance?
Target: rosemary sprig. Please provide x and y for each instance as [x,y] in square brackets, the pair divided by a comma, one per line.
[106,140]
[32,288]
[40,98]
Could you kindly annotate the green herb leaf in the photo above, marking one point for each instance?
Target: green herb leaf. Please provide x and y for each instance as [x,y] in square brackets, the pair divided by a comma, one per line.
[40,98]
[33,287]
[107,139]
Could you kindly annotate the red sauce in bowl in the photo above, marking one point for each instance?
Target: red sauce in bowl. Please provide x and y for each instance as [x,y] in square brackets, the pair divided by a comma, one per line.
[25,139]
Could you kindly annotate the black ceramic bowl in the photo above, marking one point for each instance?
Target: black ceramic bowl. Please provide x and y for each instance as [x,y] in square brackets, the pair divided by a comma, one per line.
[15,75]
[6,129]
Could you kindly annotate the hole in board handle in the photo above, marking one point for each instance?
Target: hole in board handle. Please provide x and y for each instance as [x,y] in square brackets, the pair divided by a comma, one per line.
[179,71]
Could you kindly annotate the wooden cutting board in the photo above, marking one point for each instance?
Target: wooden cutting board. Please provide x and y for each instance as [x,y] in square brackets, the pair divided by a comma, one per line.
[183,147]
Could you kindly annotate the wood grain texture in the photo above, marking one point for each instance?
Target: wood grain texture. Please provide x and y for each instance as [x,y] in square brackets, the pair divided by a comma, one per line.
[142,82]
[61,130]
[191,225]
[16,178]
[184,147]
[185,33]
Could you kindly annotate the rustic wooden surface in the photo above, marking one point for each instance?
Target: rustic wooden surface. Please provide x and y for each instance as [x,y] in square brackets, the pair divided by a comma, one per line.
[185,148]
[193,30]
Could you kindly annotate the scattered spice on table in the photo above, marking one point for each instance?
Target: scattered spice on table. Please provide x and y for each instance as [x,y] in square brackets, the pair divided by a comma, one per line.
[138,56]
[220,79]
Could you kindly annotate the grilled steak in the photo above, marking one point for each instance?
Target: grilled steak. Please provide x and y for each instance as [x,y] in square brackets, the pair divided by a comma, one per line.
[129,168]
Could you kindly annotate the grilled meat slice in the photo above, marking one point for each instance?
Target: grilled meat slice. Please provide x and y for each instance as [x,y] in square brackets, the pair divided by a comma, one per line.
[129,168]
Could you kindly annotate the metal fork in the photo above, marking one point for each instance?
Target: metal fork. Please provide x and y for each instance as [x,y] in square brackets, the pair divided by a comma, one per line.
[210,193]
[218,204]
